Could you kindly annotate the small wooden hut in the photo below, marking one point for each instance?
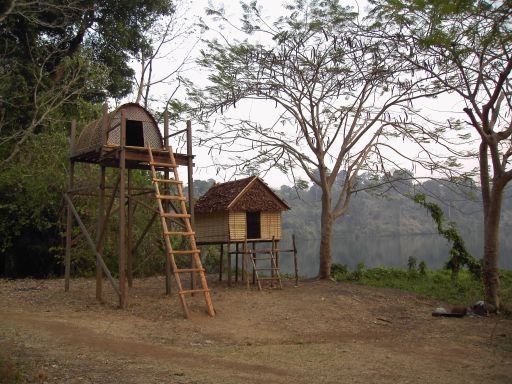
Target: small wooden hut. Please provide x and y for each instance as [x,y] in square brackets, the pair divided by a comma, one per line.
[239,210]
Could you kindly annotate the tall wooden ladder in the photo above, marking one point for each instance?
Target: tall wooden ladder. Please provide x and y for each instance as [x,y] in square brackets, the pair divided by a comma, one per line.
[172,192]
[269,255]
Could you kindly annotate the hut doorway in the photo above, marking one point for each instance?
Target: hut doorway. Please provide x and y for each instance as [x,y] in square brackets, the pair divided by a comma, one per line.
[134,133]
[253,221]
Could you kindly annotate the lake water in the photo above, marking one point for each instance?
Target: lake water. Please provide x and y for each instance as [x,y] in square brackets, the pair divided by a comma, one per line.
[391,251]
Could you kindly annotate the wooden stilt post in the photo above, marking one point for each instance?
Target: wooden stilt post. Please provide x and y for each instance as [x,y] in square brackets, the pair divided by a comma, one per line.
[253,255]
[229,264]
[166,176]
[246,264]
[221,261]
[122,223]
[69,217]
[99,235]
[190,168]
[277,253]
[236,262]
[129,243]
[295,260]
[272,254]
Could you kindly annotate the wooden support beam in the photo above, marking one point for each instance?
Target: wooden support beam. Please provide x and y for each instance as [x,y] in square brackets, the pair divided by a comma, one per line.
[91,243]
[190,169]
[295,261]
[253,269]
[122,223]
[69,217]
[167,204]
[99,235]
[221,261]
[229,264]
[129,244]
[236,263]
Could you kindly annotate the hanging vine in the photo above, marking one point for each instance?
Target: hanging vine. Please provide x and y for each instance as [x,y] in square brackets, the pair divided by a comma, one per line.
[459,255]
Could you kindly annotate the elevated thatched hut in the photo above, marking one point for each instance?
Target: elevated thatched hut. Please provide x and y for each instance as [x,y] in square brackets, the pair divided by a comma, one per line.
[239,210]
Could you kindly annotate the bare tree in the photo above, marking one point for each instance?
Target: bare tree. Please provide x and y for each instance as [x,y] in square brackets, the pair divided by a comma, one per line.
[338,94]
[173,41]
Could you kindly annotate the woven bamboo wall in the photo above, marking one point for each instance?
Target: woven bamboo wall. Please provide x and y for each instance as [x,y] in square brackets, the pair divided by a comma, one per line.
[212,227]
[271,225]
[237,225]
[217,226]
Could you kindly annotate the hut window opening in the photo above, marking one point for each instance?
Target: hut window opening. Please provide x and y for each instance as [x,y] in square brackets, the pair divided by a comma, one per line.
[134,133]
[253,225]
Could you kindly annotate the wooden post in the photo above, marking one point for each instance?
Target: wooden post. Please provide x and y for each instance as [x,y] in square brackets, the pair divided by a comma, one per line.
[122,197]
[221,261]
[104,125]
[129,244]
[246,264]
[272,254]
[69,217]
[229,264]
[190,167]
[99,235]
[166,206]
[295,260]
[236,262]
[253,255]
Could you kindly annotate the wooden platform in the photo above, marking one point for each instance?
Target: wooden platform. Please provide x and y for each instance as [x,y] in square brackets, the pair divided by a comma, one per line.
[136,157]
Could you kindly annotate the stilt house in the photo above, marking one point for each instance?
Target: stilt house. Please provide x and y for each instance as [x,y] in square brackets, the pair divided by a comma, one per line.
[239,210]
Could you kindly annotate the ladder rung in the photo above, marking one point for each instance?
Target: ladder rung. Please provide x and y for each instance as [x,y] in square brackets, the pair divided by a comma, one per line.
[267,269]
[270,278]
[176,215]
[170,197]
[167,181]
[262,258]
[157,164]
[173,233]
[183,270]
[186,252]
[194,291]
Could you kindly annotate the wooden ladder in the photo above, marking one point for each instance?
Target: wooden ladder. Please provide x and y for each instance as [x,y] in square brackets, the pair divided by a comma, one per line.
[179,213]
[274,269]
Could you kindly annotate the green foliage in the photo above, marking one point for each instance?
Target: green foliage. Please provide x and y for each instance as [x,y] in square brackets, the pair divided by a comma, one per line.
[422,268]
[441,285]
[55,53]
[459,256]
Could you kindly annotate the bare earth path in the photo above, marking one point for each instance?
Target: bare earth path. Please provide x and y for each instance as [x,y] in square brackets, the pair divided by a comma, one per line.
[319,332]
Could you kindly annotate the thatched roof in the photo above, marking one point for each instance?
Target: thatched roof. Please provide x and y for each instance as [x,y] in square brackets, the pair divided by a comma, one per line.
[92,136]
[250,195]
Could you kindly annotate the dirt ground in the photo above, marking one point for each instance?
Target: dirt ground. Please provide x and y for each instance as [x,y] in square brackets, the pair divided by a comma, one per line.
[318,332]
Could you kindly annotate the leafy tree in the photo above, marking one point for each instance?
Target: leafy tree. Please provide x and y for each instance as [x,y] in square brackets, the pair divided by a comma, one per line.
[334,88]
[55,52]
[466,46]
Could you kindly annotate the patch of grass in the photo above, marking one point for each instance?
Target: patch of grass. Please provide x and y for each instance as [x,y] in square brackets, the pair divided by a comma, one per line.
[463,289]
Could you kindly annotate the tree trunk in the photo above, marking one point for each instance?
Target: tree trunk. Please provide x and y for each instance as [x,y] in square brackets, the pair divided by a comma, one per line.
[326,228]
[491,278]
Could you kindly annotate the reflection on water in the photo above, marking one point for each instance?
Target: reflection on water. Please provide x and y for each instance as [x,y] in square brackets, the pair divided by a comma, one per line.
[383,251]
